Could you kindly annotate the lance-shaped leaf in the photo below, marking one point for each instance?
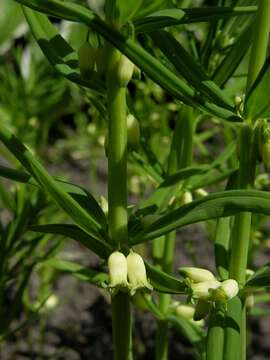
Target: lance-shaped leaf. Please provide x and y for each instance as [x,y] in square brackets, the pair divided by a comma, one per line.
[81,195]
[59,53]
[75,233]
[144,60]
[81,272]
[213,206]
[261,278]
[48,184]
[171,17]
[233,58]
[257,104]
[164,282]
[189,69]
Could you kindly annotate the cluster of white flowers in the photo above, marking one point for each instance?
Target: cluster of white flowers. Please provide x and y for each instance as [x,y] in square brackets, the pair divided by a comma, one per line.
[127,273]
[204,285]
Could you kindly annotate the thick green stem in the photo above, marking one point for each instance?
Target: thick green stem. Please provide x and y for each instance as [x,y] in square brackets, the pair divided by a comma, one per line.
[121,320]
[117,198]
[215,335]
[180,157]
[117,153]
[260,41]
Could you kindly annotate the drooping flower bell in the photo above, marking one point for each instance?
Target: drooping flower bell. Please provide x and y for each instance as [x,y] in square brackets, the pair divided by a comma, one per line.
[117,264]
[137,273]
[196,274]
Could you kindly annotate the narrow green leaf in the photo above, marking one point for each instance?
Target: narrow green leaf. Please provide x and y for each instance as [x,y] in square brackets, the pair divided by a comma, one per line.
[59,53]
[193,333]
[213,206]
[48,184]
[261,278]
[168,187]
[189,69]
[222,245]
[164,282]
[145,61]
[81,272]
[233,58]
[81,195]
[75,233]
[257,103]
[191,15]
[16,175]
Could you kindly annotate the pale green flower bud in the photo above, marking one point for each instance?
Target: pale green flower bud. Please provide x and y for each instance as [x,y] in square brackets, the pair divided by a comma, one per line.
[104,205]
[230,288]
[186,198]
[200,193]
[133,132]
[204,290]
[199,323]
[250,301]
[137,273]
[185,311]
[249,273]
[117,264]
[197,275]
[125,71]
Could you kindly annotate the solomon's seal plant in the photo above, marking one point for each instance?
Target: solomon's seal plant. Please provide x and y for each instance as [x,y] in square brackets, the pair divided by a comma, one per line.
[141,60]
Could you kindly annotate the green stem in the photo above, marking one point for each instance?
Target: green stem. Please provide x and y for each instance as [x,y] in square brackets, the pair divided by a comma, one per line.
[215,335]
[121,322]
[260,42]
[117,153]
[180,157]
[117,197]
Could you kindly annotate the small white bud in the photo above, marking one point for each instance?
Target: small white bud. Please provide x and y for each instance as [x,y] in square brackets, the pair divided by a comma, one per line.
[186,198]
[133,132]
[203,290]
[117,264]
[137,273]
[196,274]
[104,204]
[199,323]
[230,288]
[249,273]
[125,70]
[201,193]
[185,311]
[250,301]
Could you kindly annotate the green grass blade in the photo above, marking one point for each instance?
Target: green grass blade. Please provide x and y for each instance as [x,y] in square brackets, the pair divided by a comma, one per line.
[213,206]
[59,53]
[75,233]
